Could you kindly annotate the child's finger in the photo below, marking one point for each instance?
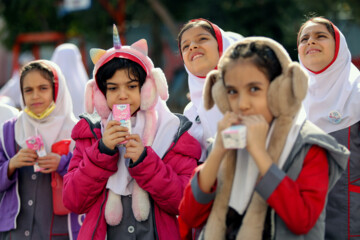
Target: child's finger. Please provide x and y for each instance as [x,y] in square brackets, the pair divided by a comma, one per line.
[135,137]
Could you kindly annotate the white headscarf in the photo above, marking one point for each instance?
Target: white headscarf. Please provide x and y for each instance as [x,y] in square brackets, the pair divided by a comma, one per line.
[67,56]
[7,112]
[57,125]
[208,118]
[332,101]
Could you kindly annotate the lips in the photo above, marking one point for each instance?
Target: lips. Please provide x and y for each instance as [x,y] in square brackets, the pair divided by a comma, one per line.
[36,104]
[196,55]
[312,51]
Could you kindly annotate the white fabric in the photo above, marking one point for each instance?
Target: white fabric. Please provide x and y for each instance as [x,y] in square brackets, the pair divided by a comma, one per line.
[7,112]
[210,118]
[246,171]
[67,56]
[167,126]
[335,89]
[12,89]
[53,128]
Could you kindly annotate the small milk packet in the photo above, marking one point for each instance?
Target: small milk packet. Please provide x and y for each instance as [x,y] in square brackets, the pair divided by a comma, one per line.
[234,137]
[121,113]
[36,143]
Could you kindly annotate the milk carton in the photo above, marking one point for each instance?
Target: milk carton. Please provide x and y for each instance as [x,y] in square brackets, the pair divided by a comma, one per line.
[234,137]
[36,143]
[121,113]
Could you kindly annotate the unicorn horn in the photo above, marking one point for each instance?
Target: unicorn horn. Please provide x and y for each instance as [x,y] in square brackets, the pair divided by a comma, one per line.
[116,38]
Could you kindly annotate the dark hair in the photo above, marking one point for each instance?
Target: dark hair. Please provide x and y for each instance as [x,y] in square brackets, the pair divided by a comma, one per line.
[319,20]
[201,23]
[108,70]
[262,56]
[43,69]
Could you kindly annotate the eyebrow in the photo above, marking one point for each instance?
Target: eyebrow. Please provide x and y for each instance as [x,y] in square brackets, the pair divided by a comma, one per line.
[131,81]
[319,32]
[250,84]
[207,34]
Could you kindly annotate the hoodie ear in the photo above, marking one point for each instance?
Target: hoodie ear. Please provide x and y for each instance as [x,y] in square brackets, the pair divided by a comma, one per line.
[211,79]
[141,46]
[160,83]
[96,54]
[89,96]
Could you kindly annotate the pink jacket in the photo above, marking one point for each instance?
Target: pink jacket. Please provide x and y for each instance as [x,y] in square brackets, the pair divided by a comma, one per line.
[164,179]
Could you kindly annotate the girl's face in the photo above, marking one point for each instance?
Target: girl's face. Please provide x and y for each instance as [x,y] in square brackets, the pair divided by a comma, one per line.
[199,51]
[120,89]
[316,46]
[37,91]
[247,88]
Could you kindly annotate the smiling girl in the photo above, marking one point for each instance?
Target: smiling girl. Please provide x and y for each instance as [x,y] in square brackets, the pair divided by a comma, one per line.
[332,103]
[201,44]
[27,207]
[277,187]
[131,191]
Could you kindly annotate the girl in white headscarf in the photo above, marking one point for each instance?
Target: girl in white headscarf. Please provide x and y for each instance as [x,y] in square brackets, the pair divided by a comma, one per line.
[29,207]
[332,103]
[68,57]
[201,44]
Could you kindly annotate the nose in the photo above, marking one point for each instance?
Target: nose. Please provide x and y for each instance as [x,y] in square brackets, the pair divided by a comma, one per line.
[243,103]
[123,95]
[35,94]
[193,45]
[311,40]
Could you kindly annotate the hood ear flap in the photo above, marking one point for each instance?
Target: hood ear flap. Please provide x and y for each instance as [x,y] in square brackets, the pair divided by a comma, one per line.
[211,79]
[148,94]
[94,99]
[215,92]
[300,81]
[287,91]
[160,83]
[89,96]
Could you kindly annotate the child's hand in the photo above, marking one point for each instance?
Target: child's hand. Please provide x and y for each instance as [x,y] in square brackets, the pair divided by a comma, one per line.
[114,134]
[134,147]
[229,119]
[49,163]
[257,130]
[25,157]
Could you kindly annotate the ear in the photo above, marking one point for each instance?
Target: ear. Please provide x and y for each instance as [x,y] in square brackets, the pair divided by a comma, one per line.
[160,83]
[96,54]
[89,96]
[211,79]
[141,46]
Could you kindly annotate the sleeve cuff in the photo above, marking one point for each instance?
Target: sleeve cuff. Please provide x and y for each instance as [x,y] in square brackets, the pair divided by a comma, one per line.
[141,158]
[199,195]
[104,149]
[270,181]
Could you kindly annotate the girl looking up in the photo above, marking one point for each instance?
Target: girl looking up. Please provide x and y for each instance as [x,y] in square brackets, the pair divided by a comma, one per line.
[332,103]
[201,44]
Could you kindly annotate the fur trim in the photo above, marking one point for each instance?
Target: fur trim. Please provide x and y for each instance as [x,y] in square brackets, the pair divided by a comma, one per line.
[95,99]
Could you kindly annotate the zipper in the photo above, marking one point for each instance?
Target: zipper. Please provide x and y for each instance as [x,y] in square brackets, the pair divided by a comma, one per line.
[97,222]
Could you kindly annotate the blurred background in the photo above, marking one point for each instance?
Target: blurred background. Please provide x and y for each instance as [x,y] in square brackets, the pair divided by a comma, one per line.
[34,28]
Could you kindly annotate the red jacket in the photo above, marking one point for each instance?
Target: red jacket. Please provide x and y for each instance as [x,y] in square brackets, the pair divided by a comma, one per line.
[299,203]
[164,179]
